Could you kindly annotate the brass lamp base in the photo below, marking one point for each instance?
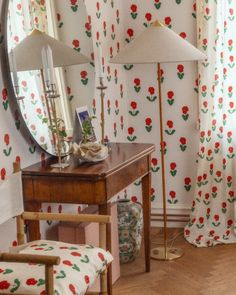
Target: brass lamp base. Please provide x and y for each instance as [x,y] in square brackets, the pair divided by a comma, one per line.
[170,253]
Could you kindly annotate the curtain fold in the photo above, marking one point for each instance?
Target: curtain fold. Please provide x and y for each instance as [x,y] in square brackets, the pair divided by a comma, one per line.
[212,220]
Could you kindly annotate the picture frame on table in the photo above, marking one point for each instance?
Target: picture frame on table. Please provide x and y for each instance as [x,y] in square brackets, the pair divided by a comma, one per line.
[83,117]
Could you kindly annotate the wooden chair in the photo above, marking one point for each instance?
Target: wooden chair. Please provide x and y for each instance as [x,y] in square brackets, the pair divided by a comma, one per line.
[50,261]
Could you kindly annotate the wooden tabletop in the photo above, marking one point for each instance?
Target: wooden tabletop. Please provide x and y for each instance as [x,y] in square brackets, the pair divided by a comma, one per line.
[120,155]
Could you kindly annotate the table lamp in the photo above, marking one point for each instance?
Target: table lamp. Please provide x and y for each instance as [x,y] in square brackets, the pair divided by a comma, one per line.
[159,44]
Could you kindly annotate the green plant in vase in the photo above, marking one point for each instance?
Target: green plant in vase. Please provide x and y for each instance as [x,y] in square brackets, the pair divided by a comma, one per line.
[88,130]
[57,127]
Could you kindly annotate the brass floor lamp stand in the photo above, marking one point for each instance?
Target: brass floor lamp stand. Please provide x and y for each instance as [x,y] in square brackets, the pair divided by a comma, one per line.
[102,89]
[164,252]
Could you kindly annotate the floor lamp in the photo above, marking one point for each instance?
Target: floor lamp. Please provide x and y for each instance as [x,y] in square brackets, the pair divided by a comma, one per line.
[155,45]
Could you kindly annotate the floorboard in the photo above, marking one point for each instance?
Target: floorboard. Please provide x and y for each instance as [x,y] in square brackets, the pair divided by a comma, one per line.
[201,271]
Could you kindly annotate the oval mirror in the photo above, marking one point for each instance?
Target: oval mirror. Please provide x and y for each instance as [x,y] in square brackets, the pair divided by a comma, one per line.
[27,21]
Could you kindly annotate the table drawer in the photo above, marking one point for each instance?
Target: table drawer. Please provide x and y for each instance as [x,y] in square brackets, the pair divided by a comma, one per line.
[63,190]
[126,175]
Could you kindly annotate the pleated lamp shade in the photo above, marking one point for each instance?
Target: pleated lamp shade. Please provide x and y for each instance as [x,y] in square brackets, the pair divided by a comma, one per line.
[28,53]
[158,44]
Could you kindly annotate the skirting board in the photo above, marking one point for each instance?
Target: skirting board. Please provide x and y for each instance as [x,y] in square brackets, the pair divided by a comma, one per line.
[176,218]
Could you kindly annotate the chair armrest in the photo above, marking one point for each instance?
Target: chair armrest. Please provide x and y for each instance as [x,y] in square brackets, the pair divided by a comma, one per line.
[66,217]
[29,258]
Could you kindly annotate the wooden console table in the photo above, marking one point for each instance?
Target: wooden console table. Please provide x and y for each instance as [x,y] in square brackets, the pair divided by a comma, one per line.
[91,184]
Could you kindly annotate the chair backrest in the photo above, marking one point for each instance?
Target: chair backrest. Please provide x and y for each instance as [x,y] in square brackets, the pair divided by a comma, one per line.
[11,196]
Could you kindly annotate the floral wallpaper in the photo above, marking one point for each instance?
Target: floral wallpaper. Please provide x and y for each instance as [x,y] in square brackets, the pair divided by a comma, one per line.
[131,99]
[80,78]
[131,108]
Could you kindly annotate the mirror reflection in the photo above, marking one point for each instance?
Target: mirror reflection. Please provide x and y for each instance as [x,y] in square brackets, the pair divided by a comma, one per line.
[56,76]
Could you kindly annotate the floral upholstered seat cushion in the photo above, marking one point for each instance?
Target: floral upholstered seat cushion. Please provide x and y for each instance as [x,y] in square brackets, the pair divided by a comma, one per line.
[79,267]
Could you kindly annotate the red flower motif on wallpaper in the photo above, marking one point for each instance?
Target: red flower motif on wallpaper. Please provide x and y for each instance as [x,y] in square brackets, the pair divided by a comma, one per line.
[134,11]
[170,128]
[148,123]
[84,77]
[148,17]
[7,150]
[180,72]
[173,170]
[183,35]
[157,4]
[134,111]
[185,113]
[130,33]
[76,44]
[170,97]
[151,97]
[3,173]
[172,198]
[131,137]
[137,83]
[168,21]
[183,143]
[154,163]
[187,183]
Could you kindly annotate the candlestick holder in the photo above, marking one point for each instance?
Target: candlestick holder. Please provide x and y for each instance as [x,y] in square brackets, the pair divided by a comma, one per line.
[102,89]
[14,75]
[58,132]
[17,92]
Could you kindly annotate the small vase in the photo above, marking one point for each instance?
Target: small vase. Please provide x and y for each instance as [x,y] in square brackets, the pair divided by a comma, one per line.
[130,228]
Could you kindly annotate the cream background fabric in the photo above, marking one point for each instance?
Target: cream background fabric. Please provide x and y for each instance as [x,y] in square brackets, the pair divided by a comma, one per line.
[11,198]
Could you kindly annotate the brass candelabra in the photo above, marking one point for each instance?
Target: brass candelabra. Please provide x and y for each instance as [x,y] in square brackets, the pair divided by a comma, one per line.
[17,92]
[51,95]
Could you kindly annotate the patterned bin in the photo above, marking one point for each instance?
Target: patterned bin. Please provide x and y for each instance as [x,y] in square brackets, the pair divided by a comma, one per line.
[130,228]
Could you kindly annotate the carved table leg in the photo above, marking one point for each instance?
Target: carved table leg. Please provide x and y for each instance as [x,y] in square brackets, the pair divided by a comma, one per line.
[33,226]
[146,189]
[105,209]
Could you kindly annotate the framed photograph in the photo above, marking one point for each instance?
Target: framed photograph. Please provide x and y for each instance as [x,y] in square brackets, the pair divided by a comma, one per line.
[85,123]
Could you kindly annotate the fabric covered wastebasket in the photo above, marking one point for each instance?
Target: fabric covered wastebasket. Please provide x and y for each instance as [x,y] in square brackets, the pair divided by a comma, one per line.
[130,228]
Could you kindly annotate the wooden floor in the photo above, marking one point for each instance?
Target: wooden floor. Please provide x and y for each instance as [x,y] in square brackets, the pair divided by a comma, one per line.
[201,271]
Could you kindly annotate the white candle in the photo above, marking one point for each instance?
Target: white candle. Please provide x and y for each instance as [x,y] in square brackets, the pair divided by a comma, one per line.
[13,68]
[99,63]
[45,65]
[50,66]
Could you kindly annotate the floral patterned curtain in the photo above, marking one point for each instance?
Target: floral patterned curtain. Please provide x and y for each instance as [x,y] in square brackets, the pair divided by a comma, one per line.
[213,211]
[23,17]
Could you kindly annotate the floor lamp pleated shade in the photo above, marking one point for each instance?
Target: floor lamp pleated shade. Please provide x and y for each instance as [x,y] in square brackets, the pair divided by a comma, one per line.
[33,44]
[155,45]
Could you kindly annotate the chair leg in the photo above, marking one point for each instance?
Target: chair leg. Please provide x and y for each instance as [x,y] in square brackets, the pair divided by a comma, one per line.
[49,280]
[109,280]
[103,283]
[20,230]
[106,236]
